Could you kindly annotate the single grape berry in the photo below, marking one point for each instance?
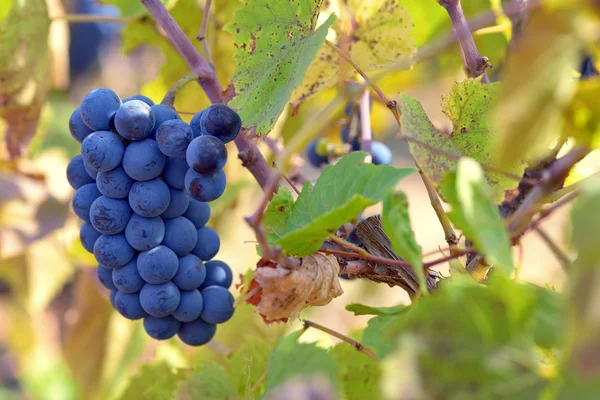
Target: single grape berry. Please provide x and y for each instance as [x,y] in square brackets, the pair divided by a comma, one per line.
[83,199]
[180,235]
[316,159]
[98,109]
[88,236]
[197,332]
[198,212]
[220,121]
[144,233]
[105,277]
[206,154]
[150,198]
[218,305]
[113,251]
[382,155]
[113,295]
[134,120]
[157,265]
[588,69]
[180,201]
[345,136]
[110,216]
[91,172]
[174,172]
[102,151]
[76,173]
[173,137]
[195,124]
[143,160]
[205,187]
[161,328]
[190,306]
[79,130]
[162,113]
[127,278]
[114,183]
[160,300]
[190,274]
[217,274]
[208,243]
[129,306]
[140,97]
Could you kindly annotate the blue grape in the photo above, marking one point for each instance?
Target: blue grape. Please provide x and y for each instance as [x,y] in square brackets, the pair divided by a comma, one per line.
[161,328]
[382,155]
[114,183]
[113,251]
[205,187]
[140,97]
[190,274]
[98,109]
[190,306]
[88,236]
[113,295]
[102,151]
[91,172]
[127,278]
[83,199]
[174,172]
[195,124]
[206,154]
[198,212]
[162,113]
[180,235]
[196,333]
[220,121]
[143,160]
[160,300]
[218,305]
[76,173]
[180,201]
[345,136]
[134,120]
[173,137]
[217,274]
[79,130]
[149,199]
[129,305]
[317,160]
[208,243]
[157,265]
[144,233]
[105,277]
[109,216]
[588,69]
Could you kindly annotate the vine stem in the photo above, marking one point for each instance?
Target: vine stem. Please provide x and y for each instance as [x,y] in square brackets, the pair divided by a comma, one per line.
[169,99]
[88,18]
[357,345]
[564,260]
[201,37]
[365,122]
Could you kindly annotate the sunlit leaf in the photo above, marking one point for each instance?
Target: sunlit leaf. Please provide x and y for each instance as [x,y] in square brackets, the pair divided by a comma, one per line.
[207,381]
[248,363]
[361,309]
[361,376]
[154,382]
[277,214]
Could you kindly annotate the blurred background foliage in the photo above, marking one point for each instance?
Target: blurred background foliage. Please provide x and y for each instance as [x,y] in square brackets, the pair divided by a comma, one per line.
[59,338]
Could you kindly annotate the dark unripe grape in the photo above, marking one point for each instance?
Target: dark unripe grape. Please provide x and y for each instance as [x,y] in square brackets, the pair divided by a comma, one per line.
[217,274]
[314,158]
[218,305]
[129,306]
[113,251]
[109,216]
[206,154]
[190,274]
[102,151]
[134,120]
[157,265]
[114,183]
[149,199]
[195,124]
[208,243]
[160,300]
[205,187]
[127,278]
[143,160]
[173,137]
[190,306]
[220,121]
[144,233]
[91,172]
[98,109]
[180,201]
[79,130]
[140,97]
[105,277]
[198,212]
[588,69]
[345,136]
[162,328]
[180,235]
[174,172]
[76,173]
[88,236]
[162,113]
[382,155]
[83,199]
[197,332]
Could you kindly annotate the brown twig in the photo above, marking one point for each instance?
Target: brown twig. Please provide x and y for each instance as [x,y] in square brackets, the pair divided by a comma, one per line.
[564,260]
[358,346]
[201,37]
[449,233]
[545,213]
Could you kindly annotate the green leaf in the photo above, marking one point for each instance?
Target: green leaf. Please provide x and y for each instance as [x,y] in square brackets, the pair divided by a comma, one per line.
[474,212]
[5,9]
[361,309]
[396,224]
[248,363]
[277,214]
[154,382]
[207,382]
[136,9]
[585,220]
[290,359]
[342,191]
[276,40]
[361,376]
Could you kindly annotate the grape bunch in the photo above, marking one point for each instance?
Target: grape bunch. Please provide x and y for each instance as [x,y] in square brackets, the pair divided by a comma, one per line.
[143,181]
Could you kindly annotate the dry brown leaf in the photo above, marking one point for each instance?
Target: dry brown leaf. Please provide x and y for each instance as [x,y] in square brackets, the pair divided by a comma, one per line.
[280,294]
